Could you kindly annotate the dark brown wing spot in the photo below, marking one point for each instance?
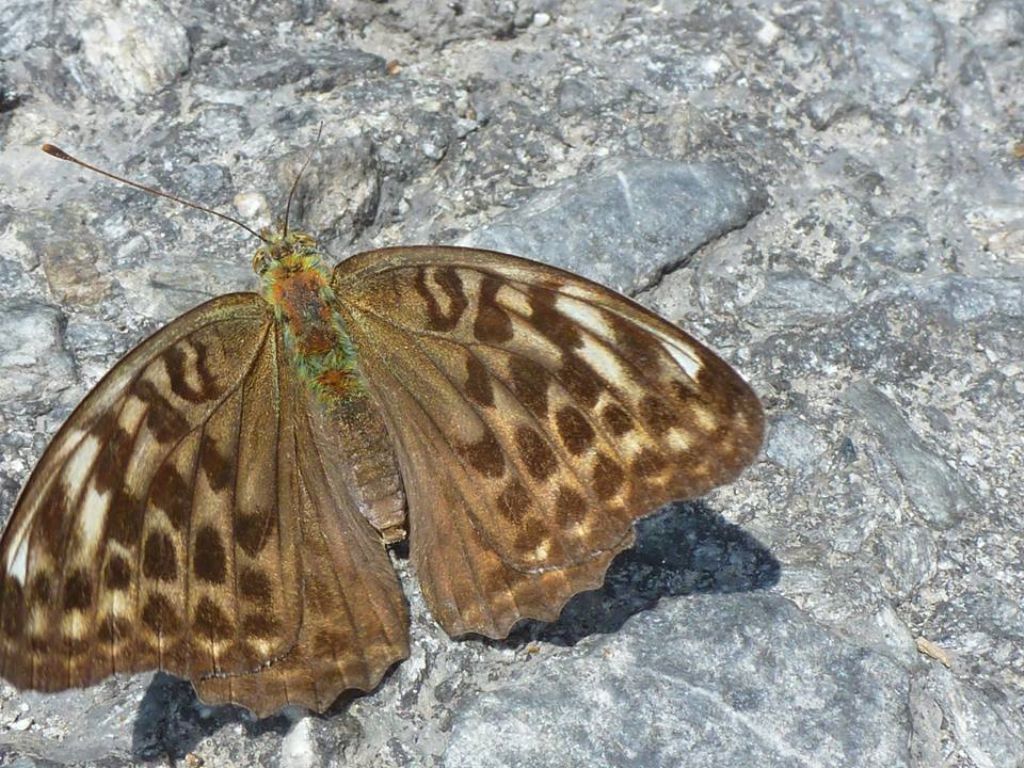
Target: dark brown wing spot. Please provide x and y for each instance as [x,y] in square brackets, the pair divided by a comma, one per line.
[253,531]
[41,588]
[114,630]
[485,455]
[77,591]
[551,323]
[608,477]
[451,284]
[478,382]
[580,380]
[159,615]
[170,493]
[685,393]
[570,507]
[117,573]
[492,325]
[177,372]
[12,617]
[52,517]
[531,535]
[114,455]
[75,646]
[208,558]
[158,558]
[575,430]
[124,520]
[538,457]
[658,415]
[163,420]
[514,501]
[210,621]
[208,384]
[254,585]
[219,469]
[636,345]
[261,626]
[174,360]
[616,418]
[530,381]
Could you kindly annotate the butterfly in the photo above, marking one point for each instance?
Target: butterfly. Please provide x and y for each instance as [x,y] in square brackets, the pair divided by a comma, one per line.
[220,505]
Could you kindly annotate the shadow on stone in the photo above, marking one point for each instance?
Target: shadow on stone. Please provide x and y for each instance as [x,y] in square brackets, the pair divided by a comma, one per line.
[171,720]
[685,549]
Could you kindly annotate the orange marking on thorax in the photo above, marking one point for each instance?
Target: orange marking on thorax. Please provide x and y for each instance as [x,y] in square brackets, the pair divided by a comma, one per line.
[308,315]
[298,286]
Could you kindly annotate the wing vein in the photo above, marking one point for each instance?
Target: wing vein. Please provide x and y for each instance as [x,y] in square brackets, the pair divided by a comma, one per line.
[234,508]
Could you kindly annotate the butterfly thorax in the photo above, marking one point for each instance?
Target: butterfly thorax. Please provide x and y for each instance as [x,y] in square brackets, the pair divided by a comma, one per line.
[297,285]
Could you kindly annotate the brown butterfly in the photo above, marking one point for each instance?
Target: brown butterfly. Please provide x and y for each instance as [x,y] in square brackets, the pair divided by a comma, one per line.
[220,504]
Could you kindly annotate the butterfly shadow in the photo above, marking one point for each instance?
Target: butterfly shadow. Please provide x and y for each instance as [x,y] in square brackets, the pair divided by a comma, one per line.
[685,549]
[171,720]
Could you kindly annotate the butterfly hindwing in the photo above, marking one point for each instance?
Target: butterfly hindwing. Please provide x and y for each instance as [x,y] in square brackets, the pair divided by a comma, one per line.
[537,415]
[352,622]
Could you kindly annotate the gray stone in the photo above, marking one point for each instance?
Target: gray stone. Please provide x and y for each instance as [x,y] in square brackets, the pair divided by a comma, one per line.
[803,300]
[741,680]
[33,361]
[793,443]
[895,46]
[298,749]
[987,732]
[132,48]
[937,493]
[628,223]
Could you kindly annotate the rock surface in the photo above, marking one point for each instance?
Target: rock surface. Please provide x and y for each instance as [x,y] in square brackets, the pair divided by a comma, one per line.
[830,194]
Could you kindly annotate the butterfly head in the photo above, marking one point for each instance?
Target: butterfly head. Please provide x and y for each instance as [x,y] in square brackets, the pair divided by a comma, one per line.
[288,251]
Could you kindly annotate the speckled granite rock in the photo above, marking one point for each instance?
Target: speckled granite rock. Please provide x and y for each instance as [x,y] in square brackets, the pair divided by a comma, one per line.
[829,193]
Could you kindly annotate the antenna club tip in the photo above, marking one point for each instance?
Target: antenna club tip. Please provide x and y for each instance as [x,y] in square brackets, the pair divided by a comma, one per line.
[55,151]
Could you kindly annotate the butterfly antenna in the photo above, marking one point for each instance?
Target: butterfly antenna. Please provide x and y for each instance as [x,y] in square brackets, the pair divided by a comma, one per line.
[295,184]
[60,154]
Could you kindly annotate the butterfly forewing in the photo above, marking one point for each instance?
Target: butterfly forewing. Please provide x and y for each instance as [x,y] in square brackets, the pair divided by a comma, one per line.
[98,551]
[170,525]
[537,415]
